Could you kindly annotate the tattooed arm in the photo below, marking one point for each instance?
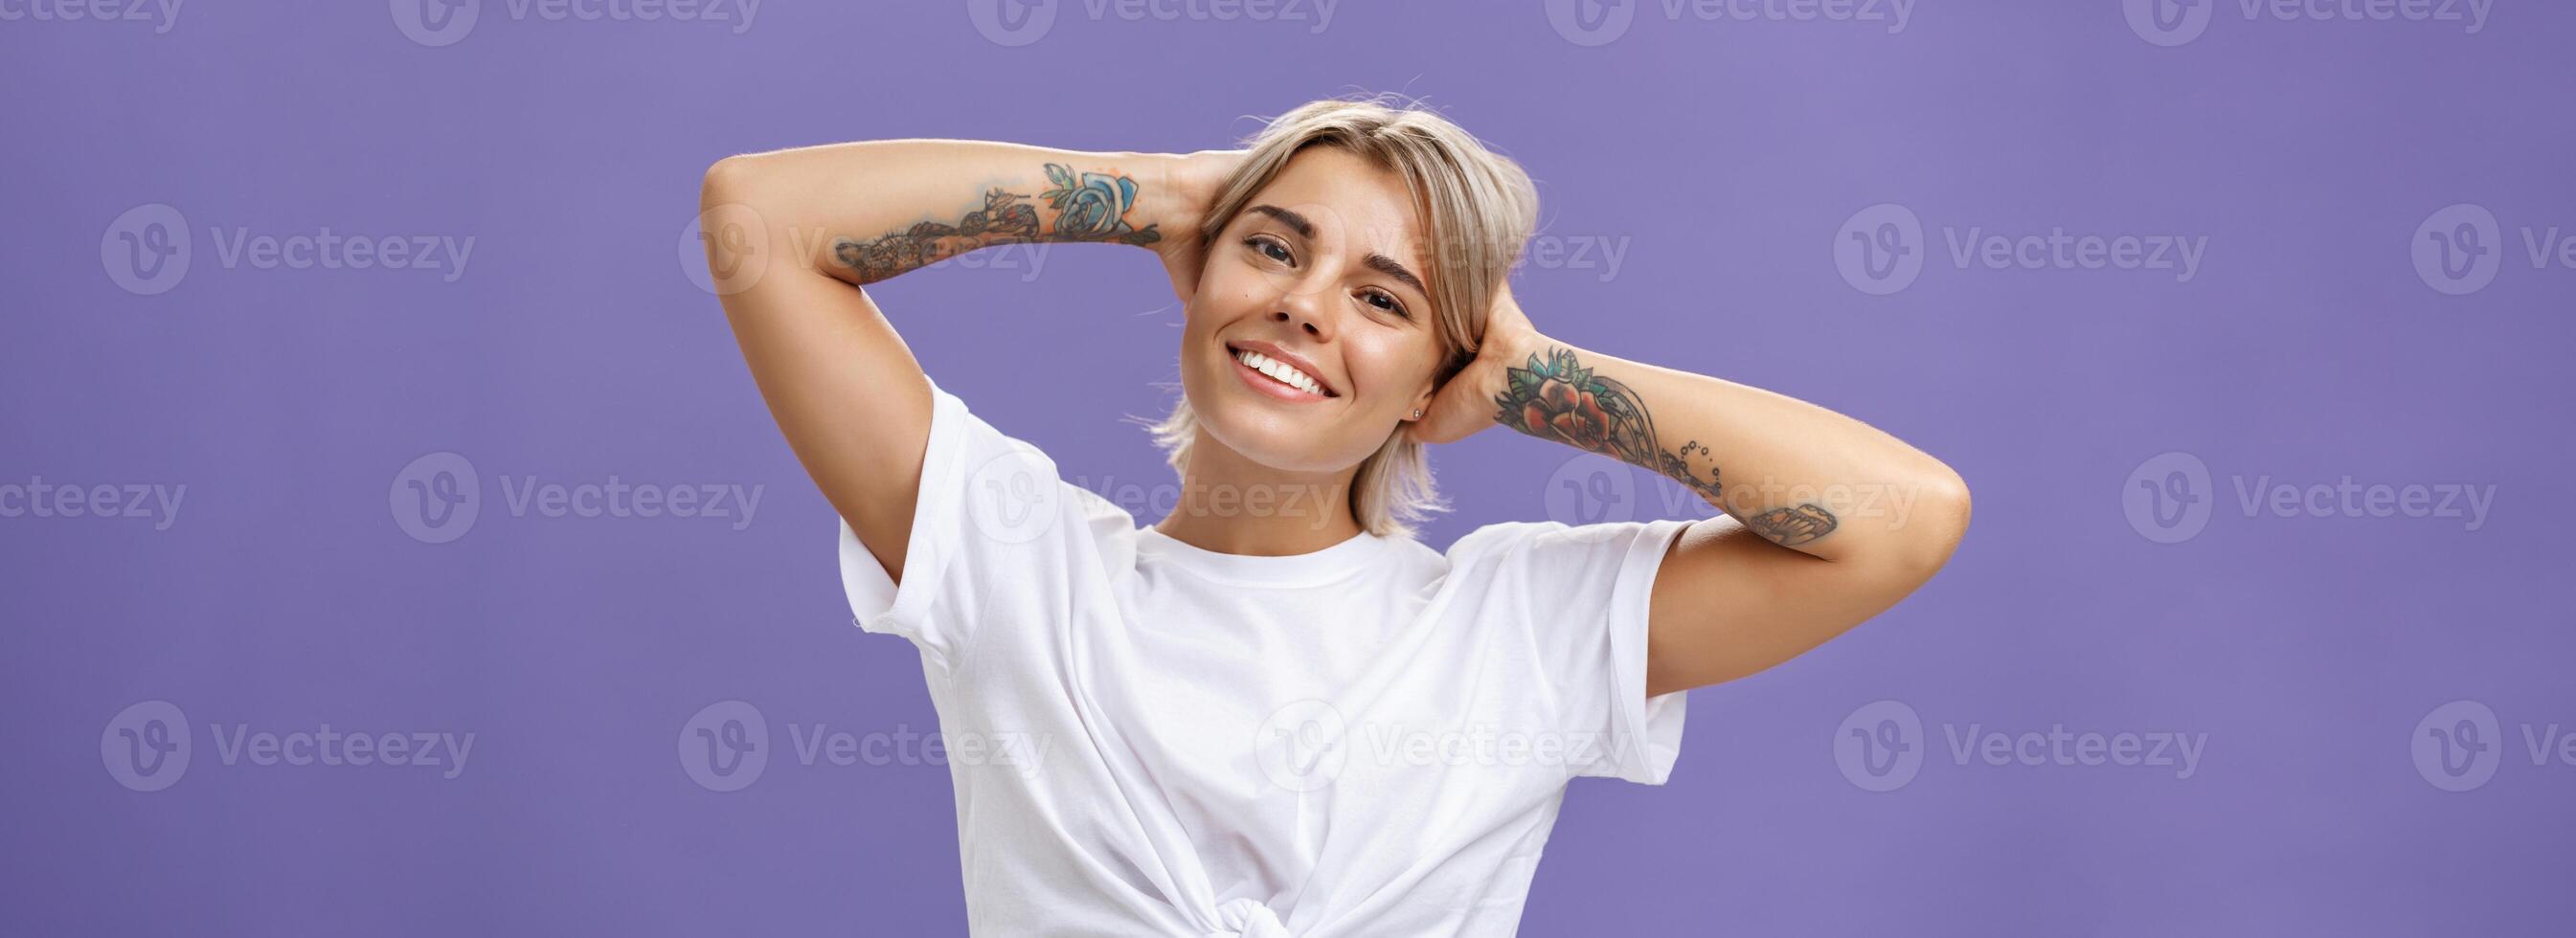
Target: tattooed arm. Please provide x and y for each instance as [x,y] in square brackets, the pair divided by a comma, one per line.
[792,236]
[1826,520]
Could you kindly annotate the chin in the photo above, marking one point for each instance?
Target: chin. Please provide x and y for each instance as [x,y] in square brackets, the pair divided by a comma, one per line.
[1273,439]
[1290,439]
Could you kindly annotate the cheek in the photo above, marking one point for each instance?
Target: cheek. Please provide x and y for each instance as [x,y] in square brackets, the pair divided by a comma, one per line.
[1394,368]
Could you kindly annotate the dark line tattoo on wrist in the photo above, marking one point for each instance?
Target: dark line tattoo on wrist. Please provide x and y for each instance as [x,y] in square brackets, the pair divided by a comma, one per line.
[1085,207]
[1561,399]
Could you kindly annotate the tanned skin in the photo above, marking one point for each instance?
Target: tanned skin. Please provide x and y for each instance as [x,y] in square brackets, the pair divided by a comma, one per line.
[1822,521]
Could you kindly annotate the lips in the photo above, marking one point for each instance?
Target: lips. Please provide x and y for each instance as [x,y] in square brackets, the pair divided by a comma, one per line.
[1275,377]
[1267,359]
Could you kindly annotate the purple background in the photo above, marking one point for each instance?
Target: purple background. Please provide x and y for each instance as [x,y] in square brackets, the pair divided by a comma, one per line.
[574,346]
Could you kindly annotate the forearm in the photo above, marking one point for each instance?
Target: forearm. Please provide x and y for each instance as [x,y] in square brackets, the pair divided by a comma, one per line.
[1797,474]
[866,211]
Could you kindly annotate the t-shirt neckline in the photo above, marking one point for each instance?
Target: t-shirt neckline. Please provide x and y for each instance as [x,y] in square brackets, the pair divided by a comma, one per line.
[1307,569]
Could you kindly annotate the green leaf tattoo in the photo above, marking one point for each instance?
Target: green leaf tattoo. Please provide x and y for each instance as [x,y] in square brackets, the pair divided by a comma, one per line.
[1091,207]
[1562,400]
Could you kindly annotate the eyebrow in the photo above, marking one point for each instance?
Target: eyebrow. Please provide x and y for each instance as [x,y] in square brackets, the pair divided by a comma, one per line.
[1377,262]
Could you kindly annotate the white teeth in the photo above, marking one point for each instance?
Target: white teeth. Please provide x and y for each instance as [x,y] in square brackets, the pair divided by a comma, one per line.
[1280,370]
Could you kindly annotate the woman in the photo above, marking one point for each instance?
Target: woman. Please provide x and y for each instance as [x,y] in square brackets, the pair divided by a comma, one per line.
[1273,712]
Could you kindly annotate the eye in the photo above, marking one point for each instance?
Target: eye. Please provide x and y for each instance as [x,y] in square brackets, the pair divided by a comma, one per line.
[1382,300]
[1270,248]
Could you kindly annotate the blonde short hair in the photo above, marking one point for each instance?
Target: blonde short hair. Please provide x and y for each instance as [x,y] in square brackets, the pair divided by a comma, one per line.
[1480,208]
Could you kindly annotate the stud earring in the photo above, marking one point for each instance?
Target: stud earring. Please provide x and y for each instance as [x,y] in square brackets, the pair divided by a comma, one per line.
[1417,413]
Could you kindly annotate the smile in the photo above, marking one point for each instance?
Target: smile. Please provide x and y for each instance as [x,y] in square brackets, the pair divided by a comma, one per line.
[1277,378]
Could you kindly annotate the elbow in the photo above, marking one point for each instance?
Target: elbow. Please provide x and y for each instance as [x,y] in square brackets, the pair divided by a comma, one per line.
[1939,521]
[725,181]
[735,215]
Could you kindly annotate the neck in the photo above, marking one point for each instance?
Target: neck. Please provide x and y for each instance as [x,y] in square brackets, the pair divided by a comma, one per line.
[1233,505]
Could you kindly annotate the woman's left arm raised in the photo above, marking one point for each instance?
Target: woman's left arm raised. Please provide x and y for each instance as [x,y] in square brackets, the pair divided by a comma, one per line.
[1825,521]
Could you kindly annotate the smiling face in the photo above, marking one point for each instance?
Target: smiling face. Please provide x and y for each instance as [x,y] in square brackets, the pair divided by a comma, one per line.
[1318,281]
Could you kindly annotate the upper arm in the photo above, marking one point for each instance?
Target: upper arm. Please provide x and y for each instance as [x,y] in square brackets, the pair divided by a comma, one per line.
[1727,603]
[844,388]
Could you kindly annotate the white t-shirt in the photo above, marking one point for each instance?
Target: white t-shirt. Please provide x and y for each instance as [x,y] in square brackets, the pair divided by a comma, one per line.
[1151,738]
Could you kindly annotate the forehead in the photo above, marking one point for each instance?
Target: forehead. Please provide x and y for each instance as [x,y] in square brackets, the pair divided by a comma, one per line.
[1350,200]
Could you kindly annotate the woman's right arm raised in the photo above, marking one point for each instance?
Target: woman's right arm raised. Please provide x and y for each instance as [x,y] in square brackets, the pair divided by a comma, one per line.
[794,236]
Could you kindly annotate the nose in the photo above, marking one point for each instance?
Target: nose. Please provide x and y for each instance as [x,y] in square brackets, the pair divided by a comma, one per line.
[1305,312]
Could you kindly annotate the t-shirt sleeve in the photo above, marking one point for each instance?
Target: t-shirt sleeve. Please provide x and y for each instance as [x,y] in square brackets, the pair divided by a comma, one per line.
[990,507]
[1579,597]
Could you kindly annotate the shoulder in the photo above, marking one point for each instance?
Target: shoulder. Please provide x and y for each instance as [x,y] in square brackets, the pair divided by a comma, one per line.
[1556,539]
[1109,527]
[1558,563]
[1014,491]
